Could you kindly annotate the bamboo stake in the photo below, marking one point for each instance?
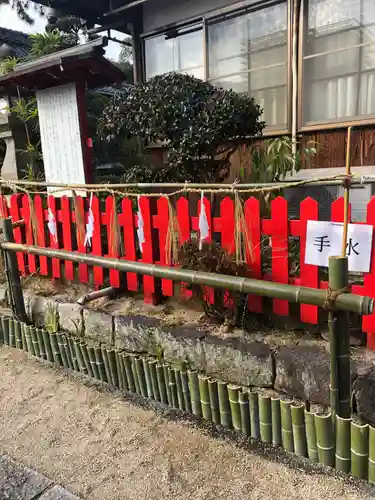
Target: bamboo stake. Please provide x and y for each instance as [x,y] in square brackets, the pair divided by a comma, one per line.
[29,341]
[180,395]
[61,345]
[12,336]
[94,366]
[141,377]
[167,386]
[340,341]
[55,349]
[265,419]
[80,360]
[128,372]
[106,365]
[371,456]
[100,364]
[68,352]
[5,328]
[286,425]
[234,406]
[194,393]
[154,379]
[243,400]
[2,330]
[47,345]
[111,354]
[135,375]
[122,373]
[299,432]
[204,397]
[325,439]
[276,422]
[120,366]
[214,400]
[23,333]
[35,341]
[254,415]
[146,368]
[359,450]
[346,193]
[343,444]
[185,391]
[86,359]
[161,383]
[312,449]
[18,335]
[224,407]
[173,387]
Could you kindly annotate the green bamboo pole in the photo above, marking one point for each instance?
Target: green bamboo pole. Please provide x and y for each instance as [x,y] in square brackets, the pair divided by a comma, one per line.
[12,335]
[161,383]
[180,395]
[42,350]
[194,393]
[276,422]
[23,333]
[61,346]
[254,415]
[214,400]
[340,341]
[29,341]
[94,366]
[86,358]
[186,390]
[127,364]
[371,456]
[106,365]
[325,439]
[343,444]
[312,449]
[122,373]
[299,431]
[47,346]
[141,377]
[154,379]
[243,400]
[80,359]
[265,419]
[146,369]
[359,450]
[172,387]
[55,349]
[235,406]
[167,386]
[67,351]
[35,341]
[204,397]
[135,375]
[291,293]
[5,328]
[2,331]
[111,354]
[224,406]
[286,425]
[120,368]
[100,364]
[18,334]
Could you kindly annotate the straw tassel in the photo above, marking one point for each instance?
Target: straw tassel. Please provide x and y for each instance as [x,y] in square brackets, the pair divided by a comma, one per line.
[242,236]
[116,246]
[173,236]
[80,220]
[33,220]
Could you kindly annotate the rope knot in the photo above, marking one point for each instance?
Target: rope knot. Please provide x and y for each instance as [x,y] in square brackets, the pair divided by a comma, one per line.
[332,295]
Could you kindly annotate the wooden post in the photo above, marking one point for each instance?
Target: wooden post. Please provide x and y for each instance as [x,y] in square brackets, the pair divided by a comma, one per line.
[13,275]
[346,193]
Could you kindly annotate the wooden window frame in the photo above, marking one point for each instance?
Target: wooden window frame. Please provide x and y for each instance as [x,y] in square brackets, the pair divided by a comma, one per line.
[324,124]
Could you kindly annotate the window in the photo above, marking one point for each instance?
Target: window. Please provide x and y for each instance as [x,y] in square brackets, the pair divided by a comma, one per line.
[339,61]
[183,54]
[249,53]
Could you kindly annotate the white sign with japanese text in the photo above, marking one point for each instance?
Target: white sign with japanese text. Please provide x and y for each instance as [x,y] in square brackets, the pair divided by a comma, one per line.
[324,239]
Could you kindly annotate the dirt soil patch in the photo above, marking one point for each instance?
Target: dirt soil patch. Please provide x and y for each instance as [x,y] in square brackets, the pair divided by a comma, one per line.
[104,448]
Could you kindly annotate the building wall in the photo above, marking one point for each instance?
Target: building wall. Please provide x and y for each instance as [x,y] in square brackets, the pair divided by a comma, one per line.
[160,13]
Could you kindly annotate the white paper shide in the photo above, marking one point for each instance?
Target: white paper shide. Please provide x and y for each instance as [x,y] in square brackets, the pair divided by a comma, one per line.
[204,229]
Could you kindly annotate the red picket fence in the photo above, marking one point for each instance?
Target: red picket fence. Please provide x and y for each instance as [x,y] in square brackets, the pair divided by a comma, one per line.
[155,214]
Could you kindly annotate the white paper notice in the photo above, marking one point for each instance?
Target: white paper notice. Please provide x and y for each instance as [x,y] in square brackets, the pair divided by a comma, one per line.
[324,239]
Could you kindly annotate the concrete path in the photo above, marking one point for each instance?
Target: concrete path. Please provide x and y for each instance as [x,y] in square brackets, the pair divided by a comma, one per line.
[104,448]
[18,482]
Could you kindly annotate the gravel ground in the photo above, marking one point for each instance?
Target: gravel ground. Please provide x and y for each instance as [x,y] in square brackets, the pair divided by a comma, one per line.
[104,448]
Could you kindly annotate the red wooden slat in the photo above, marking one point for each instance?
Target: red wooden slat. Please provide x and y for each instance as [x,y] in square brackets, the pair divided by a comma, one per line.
[110,207]
[25,214]
[227,224]
[183,218]
[83,273]
[65,217]
[280,251]
[96,243]
[253,258]
[126,220]
[147,253]
[56,269]
[15,214]
[337,210]
[160,222]
[309,275]
[40,215]
[368,322]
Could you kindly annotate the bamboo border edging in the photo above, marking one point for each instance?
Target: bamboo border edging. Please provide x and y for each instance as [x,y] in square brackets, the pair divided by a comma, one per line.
[347,446]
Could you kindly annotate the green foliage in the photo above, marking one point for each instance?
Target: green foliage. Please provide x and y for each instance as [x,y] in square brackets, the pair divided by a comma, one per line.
[42,44]
[7,65]
[201,125]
